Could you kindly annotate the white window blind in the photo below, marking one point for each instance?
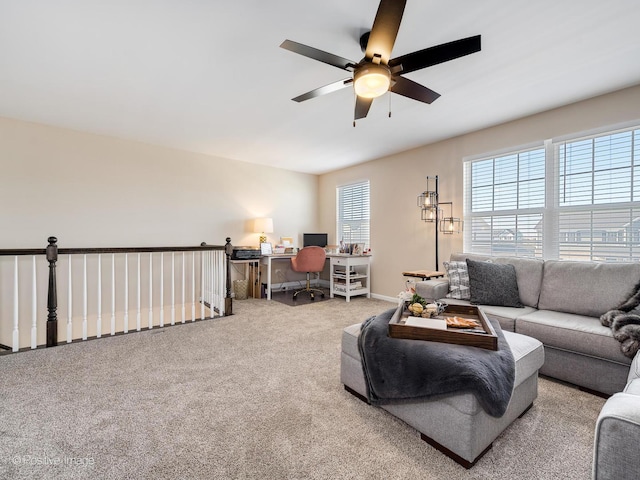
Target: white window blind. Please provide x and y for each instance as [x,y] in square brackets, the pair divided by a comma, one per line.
[586,206]
[504,204]
[353,213]
[599,197]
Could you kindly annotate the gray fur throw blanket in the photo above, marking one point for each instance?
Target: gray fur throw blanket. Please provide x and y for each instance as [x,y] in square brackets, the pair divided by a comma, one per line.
[397,370]
[625,323]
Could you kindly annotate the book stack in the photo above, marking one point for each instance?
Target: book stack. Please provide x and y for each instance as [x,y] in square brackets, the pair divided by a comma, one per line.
[342,286]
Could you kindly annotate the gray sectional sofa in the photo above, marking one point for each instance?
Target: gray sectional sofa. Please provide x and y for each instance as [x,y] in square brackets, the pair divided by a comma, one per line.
[563,301]
[562,304]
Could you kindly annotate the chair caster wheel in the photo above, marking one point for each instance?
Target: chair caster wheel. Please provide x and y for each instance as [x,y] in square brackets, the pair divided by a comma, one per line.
[322,295]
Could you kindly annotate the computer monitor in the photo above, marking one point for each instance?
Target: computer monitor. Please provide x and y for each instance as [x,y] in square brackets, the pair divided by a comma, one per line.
[314,239]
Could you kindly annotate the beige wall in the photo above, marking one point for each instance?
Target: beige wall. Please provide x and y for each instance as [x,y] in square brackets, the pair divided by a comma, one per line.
[96,191]
[93,191]
[399,239]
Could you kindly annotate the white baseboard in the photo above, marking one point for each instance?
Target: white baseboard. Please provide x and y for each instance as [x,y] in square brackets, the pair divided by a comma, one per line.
[385,298]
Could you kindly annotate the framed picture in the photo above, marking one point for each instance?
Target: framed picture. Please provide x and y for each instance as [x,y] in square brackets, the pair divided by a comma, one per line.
[358,248]
[266,248]
[287,241]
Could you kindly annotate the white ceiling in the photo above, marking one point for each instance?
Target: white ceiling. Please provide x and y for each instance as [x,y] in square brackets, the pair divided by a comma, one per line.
[209,76]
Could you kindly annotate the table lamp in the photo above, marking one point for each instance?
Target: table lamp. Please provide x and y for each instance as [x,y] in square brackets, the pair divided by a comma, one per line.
[263,226]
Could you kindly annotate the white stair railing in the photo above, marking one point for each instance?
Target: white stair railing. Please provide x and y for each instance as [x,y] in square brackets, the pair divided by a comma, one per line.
[199,274]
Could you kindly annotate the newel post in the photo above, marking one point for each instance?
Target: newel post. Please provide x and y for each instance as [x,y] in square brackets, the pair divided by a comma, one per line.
[228,301]
[52,296]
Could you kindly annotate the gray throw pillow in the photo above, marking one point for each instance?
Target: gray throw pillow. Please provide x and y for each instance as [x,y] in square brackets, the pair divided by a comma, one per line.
[458,280]
[493,284]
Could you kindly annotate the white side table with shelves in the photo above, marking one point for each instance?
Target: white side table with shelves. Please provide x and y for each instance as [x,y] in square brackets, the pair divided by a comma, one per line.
[349,275]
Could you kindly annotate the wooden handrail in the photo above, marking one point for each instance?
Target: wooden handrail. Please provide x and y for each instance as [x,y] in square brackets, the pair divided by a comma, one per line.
[75,251]
[12,252]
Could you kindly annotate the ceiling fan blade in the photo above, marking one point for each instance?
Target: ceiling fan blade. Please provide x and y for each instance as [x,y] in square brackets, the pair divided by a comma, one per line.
[332,87]
[362,107]
[321,56]
[409,88]
[385,30]
[438,54]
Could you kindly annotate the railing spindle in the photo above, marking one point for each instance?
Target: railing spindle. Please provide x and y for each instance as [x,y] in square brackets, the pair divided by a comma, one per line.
[184,313]
[113,294]
[99,319]
[162,289]
[34,305]
[84,296]
[16,307]
[138,313]
[212,286]
[202,284]
[70,305]
[193,286]
[150,290]
[126,293]
[173,288]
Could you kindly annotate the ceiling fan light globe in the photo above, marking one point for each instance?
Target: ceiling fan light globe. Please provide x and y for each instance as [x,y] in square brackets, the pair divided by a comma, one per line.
[372,81]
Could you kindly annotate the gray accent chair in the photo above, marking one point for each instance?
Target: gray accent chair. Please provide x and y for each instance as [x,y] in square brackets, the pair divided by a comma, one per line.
[615,453]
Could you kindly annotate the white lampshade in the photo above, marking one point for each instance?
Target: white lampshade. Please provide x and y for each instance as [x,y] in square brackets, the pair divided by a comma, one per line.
[263,225]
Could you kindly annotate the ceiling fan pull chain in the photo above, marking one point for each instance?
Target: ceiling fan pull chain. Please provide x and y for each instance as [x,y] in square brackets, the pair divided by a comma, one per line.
[389,105]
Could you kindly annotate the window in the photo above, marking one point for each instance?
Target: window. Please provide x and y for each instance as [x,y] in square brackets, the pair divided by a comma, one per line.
[504,204]
[586,206]
[353,213]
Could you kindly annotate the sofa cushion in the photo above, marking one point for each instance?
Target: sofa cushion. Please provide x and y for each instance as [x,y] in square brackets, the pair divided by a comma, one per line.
[573,333]
[506,316]
[493,284]
[586,288]
[528,272]
[458,280]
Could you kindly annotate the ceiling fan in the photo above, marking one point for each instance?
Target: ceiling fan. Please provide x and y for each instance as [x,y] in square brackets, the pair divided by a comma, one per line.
[377,72]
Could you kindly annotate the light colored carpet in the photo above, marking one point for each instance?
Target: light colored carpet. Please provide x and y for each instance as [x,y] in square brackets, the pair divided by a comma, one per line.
[256,395]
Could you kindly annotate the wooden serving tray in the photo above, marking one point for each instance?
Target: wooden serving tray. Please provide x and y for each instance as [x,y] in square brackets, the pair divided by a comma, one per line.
[487,340]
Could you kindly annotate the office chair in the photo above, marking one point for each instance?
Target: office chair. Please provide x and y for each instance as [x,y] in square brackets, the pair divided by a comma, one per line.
[309,260]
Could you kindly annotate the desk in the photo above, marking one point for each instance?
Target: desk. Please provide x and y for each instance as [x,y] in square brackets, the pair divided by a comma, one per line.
[267,260]
[348,262]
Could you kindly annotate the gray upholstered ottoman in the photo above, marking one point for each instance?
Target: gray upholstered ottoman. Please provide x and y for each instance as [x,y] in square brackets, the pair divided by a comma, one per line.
[456,424]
